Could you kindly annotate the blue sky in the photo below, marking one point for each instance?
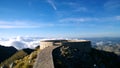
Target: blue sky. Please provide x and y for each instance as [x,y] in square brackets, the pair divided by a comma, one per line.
[60,18]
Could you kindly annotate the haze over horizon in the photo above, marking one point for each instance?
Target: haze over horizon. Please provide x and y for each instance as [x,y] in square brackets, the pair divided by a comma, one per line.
[60,18]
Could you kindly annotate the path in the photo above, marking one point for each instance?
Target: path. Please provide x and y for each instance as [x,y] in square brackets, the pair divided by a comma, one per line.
[44,58]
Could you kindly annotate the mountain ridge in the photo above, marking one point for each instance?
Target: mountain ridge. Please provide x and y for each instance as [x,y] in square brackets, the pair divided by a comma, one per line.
[6,52]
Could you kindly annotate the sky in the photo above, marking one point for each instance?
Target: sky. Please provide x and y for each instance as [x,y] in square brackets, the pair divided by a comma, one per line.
[59,18]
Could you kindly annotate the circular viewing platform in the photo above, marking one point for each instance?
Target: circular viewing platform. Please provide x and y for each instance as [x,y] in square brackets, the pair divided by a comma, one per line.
[47,43]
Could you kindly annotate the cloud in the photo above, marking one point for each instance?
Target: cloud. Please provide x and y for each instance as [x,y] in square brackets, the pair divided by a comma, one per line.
[90,19]
[9,26]
[78,20]
[100,43]
[24,42]
[18,44]
[51,2]
[112,4]
[72,4]
[21,42]
[23,24]
[81,9]
[76,6]
[117,17]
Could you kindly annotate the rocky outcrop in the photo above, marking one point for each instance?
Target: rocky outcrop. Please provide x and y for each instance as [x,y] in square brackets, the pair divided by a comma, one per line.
[66,57]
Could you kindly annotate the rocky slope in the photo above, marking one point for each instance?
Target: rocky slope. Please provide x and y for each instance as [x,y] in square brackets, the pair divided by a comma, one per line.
[66,57]
[24,58]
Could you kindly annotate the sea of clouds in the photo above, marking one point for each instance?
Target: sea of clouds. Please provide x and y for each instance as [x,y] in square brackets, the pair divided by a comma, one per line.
[32,42]
[23,42]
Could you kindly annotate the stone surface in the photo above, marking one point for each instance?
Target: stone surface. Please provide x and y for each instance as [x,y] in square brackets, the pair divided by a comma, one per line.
[45,59]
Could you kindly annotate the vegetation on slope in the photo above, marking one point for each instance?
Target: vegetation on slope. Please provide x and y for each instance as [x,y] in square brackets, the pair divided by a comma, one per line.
[21,59]
[27,61]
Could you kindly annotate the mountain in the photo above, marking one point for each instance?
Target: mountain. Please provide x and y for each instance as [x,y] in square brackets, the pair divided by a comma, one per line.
[6,52]
[66,57]
[18,55]
[28,61]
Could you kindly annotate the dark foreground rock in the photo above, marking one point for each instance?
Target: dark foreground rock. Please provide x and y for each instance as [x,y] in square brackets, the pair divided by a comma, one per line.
[6,52]
[66,57]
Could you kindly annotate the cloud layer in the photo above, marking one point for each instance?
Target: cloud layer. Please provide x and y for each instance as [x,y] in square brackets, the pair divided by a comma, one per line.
[90,19]
[24,42]
[23,24]
[112,4]
[21,42]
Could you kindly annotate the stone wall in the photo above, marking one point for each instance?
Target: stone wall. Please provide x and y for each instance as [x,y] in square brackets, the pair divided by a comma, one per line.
[47,43]
[82,46]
